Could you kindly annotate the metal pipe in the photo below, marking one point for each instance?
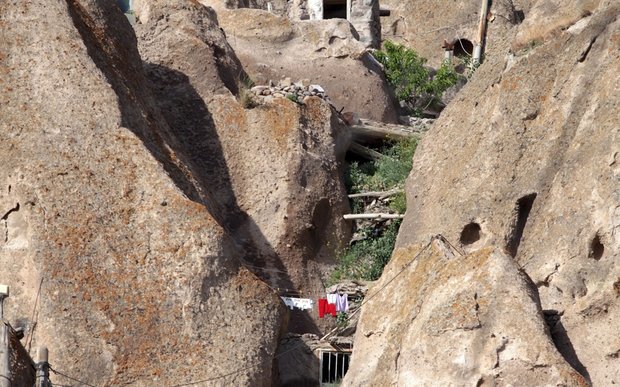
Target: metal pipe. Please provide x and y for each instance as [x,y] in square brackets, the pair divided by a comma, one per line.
[484,10]
[43,375]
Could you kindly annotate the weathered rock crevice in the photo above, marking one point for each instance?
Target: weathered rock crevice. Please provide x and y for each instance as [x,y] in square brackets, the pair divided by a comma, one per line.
[521,215]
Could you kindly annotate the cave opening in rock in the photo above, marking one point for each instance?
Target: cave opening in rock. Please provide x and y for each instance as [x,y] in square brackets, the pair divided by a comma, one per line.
[597,248]
[334,9]
[463,48]
[522,213]
[470,234]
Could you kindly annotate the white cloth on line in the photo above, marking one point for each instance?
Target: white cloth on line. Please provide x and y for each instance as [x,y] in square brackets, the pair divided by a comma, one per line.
[299,303]
[331,298]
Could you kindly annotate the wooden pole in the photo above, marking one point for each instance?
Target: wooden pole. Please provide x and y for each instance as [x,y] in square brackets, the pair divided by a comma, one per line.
[377,194]
[373,216]
[482,26]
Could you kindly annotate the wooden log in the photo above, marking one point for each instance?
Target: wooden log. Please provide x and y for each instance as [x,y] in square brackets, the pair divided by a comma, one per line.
[373,216]
[377,194]
[365,152]
[369,131]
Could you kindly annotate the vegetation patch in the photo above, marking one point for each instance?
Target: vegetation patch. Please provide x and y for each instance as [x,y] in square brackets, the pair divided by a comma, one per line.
[374,241]
[411,80]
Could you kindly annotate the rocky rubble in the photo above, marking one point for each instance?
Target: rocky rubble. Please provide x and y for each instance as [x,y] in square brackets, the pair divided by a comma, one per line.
[297,91]
[326,51]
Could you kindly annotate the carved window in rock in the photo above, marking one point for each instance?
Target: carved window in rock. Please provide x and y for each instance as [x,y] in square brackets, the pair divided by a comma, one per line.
[333,368]
[329,9]
[335,9]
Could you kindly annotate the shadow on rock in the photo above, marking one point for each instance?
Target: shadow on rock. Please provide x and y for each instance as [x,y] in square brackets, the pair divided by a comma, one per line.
[563,343]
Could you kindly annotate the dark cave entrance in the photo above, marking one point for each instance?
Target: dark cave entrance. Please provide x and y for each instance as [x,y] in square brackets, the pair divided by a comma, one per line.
[334,9]
[463,48]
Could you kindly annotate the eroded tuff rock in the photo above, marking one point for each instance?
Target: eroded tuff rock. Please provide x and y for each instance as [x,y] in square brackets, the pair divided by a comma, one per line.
[425,28]
[273,171]
[100,201]
[327,52]
[449,319]
[528,158]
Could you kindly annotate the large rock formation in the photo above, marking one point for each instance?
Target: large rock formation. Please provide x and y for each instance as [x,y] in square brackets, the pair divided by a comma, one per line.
[527,159]
[102,203]
[273,171]
[327,52]
[440,318]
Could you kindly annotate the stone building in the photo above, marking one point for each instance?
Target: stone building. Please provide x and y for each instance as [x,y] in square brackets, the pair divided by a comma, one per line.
[363,14]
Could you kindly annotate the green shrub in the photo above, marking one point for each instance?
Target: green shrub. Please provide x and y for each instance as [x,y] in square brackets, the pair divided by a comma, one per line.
[405,72]
[367,258]
[445,78]
[391,171]
[404,69]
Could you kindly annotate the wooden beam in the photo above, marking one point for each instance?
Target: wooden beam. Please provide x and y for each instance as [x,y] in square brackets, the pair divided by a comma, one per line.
[368,131]
[377,194]
[373,216]
[365,152]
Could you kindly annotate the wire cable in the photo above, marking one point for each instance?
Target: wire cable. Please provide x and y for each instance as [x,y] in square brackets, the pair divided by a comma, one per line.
[193,383]
[367,299]
[34,317]
[53,370]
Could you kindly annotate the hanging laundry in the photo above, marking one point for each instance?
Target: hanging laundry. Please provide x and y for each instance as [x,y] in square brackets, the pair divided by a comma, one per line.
[322,307]
[331,298]
[342,302]
[331,309]
[299,303]
[331,304]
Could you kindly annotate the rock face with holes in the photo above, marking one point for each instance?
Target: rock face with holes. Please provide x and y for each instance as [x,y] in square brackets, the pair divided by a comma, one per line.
[101,201]
[433,22]
[273,171]
[327,52]
[439,318]
[527,158]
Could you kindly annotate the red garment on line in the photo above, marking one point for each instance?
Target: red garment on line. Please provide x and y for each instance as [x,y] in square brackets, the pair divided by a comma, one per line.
[322,307]
[331,308]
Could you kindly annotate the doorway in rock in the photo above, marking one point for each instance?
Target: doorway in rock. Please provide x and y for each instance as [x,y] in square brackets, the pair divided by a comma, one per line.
[333,368]
[334,9]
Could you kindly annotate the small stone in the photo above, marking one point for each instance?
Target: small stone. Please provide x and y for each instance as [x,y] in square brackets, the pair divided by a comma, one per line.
[266,92]
[258,89]
[316,88]
[286,82]
[278,95]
